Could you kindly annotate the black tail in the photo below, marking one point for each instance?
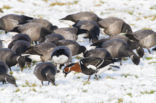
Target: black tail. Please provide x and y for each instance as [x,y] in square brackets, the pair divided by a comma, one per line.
[16,29]
[99,42]
[140,51]
[67,18]
[32,50]
[109,61]
[27,17]
[154,49]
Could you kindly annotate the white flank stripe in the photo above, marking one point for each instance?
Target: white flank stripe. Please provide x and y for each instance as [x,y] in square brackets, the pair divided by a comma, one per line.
[35,57]
[91,67]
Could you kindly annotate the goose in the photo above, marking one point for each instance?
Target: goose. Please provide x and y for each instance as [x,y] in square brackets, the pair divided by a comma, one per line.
[10,21]
[114,25]
[41,52]
[90,27]
[74,47]
[87,66]
[85,15]
[147,38]
[10,58]
[61,55]
[67,33]
[45,72]
[4,76]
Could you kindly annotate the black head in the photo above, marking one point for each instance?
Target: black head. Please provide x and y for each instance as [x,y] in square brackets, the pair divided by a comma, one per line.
[21,61]
[24,37]
[135,59]
[140,51]
[82,49]
[11,79]
[2,25]
[69,17]
[60,52]
[51,78]
[66,70]
[54,27]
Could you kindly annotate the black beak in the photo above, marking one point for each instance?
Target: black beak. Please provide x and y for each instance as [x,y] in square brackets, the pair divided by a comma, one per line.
[65,75]
[15,85]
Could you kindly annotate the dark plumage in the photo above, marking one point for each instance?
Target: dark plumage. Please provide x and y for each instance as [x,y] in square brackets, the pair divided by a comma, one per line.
[61,55]
[98,52]
[114,25]
[45,23]
[21,37]
[53,37]
[10,21]
[34,30]
[89,27]
[88,66]
[82,16]
[19,46]
[67,33]
[43,50]
[132,42]
[147,38]
[10,58]
[74,47]
[4,76]
[45,72]
[119,49]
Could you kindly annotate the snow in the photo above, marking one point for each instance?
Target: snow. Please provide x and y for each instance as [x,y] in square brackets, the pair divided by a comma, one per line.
[130,84]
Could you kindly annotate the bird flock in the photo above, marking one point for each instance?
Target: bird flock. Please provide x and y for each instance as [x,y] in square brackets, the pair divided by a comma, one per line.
[53,47]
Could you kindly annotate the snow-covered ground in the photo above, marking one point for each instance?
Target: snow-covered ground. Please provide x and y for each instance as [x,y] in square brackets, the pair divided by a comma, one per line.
[131,84]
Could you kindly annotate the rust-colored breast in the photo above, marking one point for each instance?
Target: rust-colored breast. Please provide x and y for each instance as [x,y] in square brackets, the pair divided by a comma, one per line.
[76,68]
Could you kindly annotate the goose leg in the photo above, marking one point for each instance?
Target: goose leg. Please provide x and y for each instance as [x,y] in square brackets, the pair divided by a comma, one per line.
[121,61]
[89,78]
[149,50]
[42,83]
[10,69]
[96,77]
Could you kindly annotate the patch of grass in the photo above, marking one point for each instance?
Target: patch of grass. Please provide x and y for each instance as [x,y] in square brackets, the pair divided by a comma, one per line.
[20,0]
[148,58]
[20,12]
[152,62]
[86,82]
[147,28]
[153,18]
[27,83]
[1,10]
[17,90]
[126,75]
[11,72]
[129,94]
[85,90]
[109,77]
[136,76]
[62,4]
[6,7]
[148,92]
[120,100]
[33,89]
[78,57]
[153,7]
[33,85]
[130,12]
[45,0]
[78,77]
